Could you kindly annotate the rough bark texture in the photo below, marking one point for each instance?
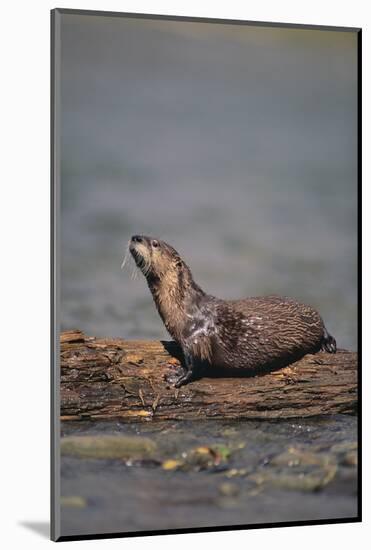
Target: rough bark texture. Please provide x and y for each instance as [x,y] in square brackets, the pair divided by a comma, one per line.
[113,378]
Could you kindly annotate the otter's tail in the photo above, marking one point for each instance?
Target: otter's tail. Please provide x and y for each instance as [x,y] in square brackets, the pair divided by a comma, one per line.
[328,342]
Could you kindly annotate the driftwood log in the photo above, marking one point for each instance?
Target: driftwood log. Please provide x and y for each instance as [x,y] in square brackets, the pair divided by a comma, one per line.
[123,379]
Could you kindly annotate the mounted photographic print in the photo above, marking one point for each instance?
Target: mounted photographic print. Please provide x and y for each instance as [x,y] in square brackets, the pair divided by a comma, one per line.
[205,195]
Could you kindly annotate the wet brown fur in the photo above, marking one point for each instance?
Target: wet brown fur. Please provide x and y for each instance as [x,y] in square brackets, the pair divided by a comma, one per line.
[252,334]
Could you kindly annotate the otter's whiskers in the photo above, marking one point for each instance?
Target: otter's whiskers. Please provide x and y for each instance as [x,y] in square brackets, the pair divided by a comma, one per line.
[126,256]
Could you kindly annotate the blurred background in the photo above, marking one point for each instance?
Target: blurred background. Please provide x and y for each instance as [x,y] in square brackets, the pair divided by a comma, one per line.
[236,144]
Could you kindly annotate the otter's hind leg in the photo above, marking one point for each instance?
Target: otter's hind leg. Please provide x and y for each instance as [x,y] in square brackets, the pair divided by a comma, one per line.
[328,342]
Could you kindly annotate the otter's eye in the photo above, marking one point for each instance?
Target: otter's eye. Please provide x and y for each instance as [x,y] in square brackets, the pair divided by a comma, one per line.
[155,244]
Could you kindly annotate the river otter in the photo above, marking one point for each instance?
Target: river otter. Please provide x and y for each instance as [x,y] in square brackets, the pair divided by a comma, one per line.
[248,336]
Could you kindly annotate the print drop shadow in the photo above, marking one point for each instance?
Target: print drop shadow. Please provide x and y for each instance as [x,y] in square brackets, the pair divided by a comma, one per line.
[42,528]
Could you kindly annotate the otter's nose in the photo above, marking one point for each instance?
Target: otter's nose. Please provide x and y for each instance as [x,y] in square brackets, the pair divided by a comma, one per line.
[137,239]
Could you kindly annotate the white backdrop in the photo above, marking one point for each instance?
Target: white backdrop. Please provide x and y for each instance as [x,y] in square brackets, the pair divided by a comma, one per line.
[25,269]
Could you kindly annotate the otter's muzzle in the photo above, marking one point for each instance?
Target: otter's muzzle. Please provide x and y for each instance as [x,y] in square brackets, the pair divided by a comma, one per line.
[139,250]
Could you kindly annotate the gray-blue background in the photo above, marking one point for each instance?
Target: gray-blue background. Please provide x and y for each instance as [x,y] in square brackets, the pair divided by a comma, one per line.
[235,144]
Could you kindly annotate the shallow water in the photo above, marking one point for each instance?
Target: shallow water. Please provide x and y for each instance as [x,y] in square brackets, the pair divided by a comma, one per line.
[255,484]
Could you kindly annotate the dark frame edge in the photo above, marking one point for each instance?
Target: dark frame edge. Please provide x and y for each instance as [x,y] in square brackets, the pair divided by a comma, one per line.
[359,266]
[215,529]
[167,17]
[52,449]
[54,329]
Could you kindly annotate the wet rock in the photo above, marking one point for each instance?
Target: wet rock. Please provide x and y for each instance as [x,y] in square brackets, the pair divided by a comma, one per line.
[200,458]
[297,469]
[107,446]
[297,457]
[212,458]
[300,481]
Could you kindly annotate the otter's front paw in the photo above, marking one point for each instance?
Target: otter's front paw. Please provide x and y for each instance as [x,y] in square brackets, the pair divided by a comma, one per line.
[184,379]
[173,376]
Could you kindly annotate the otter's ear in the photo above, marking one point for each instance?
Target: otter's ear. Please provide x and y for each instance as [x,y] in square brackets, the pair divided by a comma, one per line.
[178,264]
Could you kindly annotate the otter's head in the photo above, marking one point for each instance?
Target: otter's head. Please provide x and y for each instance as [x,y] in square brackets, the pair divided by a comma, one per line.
[169,279]
[156,259]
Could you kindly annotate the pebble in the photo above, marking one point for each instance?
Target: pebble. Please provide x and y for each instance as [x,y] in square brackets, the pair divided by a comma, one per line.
[73,502]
